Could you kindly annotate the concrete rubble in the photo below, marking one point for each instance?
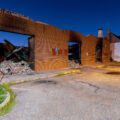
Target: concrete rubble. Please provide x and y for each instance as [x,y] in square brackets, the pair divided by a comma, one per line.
[75,64]
[10,67]
[13,59]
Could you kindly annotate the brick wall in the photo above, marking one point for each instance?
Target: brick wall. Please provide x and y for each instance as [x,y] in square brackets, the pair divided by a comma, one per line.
[47,39]
[31,48]
[106,51]
[88,46]
[17,25]
[49,47]
[89,50]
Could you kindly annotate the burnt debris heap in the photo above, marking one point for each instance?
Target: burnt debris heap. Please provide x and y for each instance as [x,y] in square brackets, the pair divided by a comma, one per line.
[13,59]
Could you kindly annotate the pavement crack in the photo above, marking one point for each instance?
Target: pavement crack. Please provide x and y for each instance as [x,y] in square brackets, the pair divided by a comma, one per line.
[91,85]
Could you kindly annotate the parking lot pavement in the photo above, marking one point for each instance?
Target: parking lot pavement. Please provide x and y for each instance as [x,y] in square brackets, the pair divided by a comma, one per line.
[84,96]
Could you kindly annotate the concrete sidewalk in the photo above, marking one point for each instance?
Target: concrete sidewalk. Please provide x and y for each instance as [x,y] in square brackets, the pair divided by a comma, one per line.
[33,75]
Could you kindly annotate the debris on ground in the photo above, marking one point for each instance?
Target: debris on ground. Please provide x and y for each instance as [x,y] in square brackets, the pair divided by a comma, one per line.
[75,64]
[13,59]
[10,67]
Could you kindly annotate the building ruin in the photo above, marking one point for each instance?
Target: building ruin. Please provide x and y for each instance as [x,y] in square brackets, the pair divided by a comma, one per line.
[49,44]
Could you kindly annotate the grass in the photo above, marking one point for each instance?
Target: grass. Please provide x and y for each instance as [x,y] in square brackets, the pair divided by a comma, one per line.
[2,98]
[20,82]
[3,92]
[8,107]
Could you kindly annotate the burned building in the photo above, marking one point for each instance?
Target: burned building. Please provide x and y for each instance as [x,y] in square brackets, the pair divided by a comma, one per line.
[48,45]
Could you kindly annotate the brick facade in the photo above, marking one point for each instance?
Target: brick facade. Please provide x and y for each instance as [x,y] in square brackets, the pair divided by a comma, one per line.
[88,46]
[106,51]
[51,49]
[49,45]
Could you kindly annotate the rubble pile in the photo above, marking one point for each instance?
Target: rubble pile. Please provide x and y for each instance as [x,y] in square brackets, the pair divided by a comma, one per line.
[10,67]
[74,64]
[13,59]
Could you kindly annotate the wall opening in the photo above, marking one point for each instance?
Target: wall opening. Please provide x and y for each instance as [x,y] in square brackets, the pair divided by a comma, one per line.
[75,52]
[99,47]
[15,50]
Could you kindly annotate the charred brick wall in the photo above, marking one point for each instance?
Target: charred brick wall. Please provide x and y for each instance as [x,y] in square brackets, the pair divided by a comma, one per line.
[106,51]
[51,48]
[88,47]
[15,24]
[89,50]
[31,55]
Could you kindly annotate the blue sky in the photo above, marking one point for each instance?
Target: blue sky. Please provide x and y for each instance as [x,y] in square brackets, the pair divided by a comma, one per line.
[84,16]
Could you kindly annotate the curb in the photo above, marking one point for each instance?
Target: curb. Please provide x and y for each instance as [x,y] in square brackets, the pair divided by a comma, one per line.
[42,77]
[29,80]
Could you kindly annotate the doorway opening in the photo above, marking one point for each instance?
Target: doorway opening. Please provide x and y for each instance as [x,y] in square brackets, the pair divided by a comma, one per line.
[75,52]
[99,50]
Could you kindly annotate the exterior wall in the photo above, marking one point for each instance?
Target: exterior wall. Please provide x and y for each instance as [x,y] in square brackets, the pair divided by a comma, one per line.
[46,39]
[106,51]
[89,50]
[112,38]
[31,47]
[46,43]
[115,51]
[15,24]
[88,47]
[112,47]
[99,50]
[49,47]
